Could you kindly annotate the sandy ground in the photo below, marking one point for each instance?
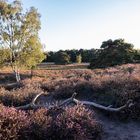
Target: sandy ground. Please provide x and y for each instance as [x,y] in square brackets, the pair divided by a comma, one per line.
[117,130]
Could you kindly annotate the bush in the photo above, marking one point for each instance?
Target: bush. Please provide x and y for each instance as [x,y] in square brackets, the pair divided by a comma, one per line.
[111,86]
[62,58]
[70,123]
[20,96]
[48,124]
[12,123]
[78,59]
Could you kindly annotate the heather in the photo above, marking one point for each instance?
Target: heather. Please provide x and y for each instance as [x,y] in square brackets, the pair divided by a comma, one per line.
[48,124]
[12,123]
[111,86]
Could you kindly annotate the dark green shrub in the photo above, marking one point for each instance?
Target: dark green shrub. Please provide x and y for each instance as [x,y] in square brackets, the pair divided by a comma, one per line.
[112,53]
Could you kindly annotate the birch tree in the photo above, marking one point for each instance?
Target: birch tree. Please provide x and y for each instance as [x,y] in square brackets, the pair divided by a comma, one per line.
[19,42]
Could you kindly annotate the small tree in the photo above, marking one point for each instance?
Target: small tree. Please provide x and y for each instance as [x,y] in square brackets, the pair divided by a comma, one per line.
[62,58]
[20,45]
[78,58]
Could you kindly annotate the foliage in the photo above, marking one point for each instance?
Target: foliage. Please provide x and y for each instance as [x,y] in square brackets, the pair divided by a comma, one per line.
[32,53]
[72,53]
[137,56]
[111,86]
[87,55]
[113,53]
[70,123]
[78,59]
[19,96]
[12,123]
[62,58]
[45,124]
[19,36]
[4,56]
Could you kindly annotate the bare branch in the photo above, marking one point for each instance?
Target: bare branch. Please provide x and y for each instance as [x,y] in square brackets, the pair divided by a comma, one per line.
[37,96]
[33,105]
[108,108]
[67,101]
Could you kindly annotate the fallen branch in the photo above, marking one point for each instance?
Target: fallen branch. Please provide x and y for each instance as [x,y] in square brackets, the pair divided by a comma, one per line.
[37,96]
[109,108]
[33,105]
[11,85]
[69,100]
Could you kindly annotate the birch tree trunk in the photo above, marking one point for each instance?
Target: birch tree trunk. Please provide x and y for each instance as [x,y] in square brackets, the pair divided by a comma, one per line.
[16,73]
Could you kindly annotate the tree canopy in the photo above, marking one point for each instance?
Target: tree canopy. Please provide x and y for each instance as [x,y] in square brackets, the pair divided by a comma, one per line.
[86,55]
[78,58]
[62,58]
[19,42]
[113,53]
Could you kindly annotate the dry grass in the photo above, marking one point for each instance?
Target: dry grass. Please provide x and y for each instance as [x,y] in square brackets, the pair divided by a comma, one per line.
[51,66]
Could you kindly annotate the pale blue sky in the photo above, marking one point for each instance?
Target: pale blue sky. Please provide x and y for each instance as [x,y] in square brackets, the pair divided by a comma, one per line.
[75,24]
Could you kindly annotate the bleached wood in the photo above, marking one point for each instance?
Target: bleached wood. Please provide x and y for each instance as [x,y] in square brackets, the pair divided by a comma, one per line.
[32,105]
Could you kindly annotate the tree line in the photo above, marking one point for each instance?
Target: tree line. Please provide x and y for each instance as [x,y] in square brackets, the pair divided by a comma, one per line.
[111,52]
[70,56]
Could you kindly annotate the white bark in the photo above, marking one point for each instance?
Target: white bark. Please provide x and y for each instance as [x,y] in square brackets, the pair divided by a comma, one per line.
[16,73]
[108,108]
[32,105]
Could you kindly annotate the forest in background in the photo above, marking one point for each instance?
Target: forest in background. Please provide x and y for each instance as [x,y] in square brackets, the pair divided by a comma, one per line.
[111,52]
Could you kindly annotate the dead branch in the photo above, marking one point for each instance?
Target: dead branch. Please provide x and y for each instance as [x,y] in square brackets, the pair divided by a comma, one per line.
[33,105]
[37,96]
[69,100]
[108,108]
[11,85]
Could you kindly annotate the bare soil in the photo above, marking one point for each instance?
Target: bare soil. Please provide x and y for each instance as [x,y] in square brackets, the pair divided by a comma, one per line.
[118,130]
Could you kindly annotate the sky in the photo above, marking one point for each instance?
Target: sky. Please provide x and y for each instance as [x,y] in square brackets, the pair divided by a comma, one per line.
[75,24]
